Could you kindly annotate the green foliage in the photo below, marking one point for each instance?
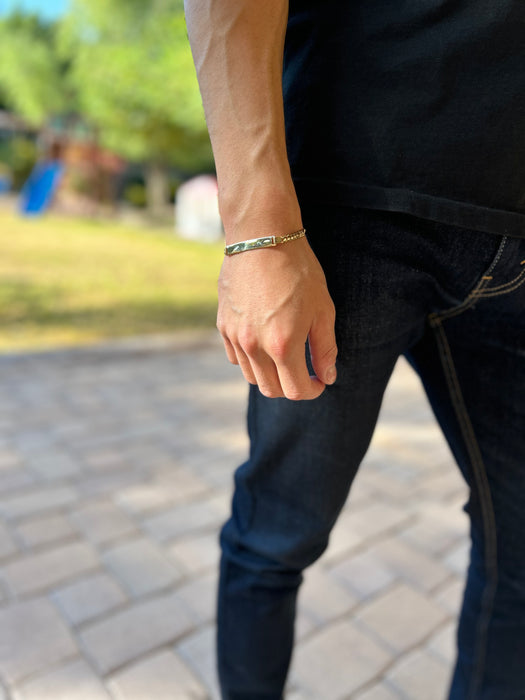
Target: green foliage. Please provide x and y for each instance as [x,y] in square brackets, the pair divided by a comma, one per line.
[135,194]
[132,68]
[31,74]
[19,155]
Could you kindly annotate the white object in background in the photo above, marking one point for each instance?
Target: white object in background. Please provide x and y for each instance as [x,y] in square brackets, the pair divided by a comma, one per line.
[197,210]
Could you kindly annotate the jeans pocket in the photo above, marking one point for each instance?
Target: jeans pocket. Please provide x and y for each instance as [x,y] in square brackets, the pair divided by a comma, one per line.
[477,290]
[504,288]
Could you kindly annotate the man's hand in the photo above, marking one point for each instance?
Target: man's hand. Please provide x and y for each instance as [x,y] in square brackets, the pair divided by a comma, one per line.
[270,302]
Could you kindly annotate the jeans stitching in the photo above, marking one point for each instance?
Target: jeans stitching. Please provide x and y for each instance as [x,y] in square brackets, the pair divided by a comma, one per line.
[502,289]
[480,482]
[474,295]
[436,318]
[509,283]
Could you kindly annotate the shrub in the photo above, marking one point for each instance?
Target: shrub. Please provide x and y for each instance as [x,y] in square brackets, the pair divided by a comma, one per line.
[135,194]
[21,156]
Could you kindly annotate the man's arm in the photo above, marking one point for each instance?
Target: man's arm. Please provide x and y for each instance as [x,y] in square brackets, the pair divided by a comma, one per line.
[270,300]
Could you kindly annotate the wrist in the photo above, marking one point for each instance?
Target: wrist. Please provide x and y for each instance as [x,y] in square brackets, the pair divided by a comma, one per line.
[252,210]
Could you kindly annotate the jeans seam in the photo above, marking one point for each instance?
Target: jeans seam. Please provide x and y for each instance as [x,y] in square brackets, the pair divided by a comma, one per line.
[509,283]
[471,299]
[475,294]
[502,289]
[482,486]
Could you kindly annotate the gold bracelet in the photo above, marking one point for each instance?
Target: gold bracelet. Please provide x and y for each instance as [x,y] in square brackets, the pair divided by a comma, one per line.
[263,242]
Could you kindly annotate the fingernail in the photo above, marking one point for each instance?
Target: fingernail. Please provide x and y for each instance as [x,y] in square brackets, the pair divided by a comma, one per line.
[331,375]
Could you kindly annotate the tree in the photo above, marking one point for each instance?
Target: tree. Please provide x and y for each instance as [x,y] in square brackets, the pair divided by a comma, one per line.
[32,76]
[132,68]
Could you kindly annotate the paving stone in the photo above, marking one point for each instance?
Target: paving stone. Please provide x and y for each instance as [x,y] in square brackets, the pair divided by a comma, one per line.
[163,676]
[32,638]
[409,564]
[218,471]
[53,464]
[430,536]
[361,492]
[336,661]
[408,435]
[44,530]
[139,499]
[170,486]
[4,597]
[376,518]
[88,598]
[420,675]
[379,691]
[8,458]
[197,554]
[402,617]
[451,596]
[114,436]
[443,643]
[102,522]
[296,695]
[7,545]
[38,572]
[144,626]
[342,538]
[446,485]
[184,519]
[437,528]
[198,652]
[32,441]
[105,485]
[199,596]
[141,566]
[389,488]
[323,597]
[458,559]
[14,479]
[72,680]
[305,623]
[37,500]
[150,452]
[365,574]
[105,459]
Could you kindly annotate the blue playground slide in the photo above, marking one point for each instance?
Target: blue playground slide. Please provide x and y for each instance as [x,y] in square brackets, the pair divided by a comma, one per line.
[38,191]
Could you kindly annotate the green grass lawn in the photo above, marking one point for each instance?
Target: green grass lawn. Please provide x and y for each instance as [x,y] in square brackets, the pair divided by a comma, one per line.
[68,282]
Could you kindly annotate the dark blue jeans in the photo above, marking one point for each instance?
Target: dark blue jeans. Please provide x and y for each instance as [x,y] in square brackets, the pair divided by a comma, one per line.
[453,302]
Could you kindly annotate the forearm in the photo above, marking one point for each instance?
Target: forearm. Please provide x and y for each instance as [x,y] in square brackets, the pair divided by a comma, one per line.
[237,47]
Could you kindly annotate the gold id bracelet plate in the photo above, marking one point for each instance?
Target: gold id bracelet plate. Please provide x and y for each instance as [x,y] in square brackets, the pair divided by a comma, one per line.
[263,242]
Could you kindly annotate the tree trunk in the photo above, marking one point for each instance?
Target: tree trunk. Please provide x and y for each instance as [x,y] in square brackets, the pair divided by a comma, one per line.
[157,191]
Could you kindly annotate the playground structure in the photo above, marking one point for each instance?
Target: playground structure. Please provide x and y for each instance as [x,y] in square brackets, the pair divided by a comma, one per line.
[37,193]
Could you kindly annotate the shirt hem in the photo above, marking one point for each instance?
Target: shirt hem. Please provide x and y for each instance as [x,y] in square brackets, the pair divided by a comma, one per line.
[446,211]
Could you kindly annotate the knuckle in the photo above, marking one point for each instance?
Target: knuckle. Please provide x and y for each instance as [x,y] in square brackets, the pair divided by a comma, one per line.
[269,392]
[295,395]
[248,341]
[279,347]
[329,312]
[221,327]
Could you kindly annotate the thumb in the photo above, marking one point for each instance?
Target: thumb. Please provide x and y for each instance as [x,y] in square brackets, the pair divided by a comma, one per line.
[323,348]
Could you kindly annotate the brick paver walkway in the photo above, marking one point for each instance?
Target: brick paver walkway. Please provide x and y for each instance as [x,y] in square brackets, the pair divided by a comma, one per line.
[115,474]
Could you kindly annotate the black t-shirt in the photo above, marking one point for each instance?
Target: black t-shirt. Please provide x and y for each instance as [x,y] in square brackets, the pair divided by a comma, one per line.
[415,106]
